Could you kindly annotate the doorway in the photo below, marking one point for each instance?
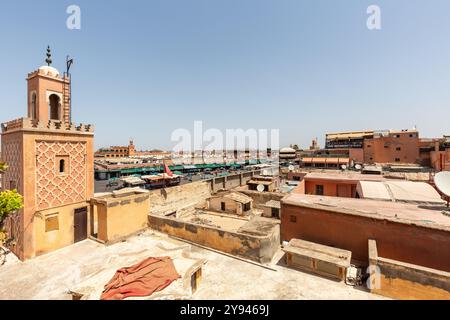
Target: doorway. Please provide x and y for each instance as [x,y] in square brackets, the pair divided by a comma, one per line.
[80,224]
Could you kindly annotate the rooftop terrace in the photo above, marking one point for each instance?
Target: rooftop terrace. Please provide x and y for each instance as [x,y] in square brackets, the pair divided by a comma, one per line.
[52,275]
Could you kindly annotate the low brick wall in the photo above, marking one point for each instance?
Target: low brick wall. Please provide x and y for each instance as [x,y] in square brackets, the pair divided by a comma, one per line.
[232,181]
[253,247]
[179,197]
[399,280]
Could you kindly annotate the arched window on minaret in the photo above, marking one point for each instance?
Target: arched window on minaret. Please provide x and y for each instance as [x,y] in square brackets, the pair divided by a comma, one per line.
[62,166]
[55,107]
[33,106]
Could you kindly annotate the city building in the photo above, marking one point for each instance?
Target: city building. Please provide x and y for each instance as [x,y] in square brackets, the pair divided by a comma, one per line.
[270,183]
[392,147]
[440,155]
[347,140]
[287,154]
[116,151]
[368,147]
[365,186]
[51,163]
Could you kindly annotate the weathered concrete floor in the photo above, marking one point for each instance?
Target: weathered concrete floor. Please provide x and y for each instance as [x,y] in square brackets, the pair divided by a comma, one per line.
[52,275]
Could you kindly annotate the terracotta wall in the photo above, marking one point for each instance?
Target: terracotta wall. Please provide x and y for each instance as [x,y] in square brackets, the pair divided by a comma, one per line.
[403,242]
[384,149]
[331,189]
[357,155]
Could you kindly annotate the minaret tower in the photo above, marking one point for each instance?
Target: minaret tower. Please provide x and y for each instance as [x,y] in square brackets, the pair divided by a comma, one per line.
[51,164]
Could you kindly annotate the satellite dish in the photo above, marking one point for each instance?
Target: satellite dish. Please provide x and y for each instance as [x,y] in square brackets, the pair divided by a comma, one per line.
[344,167]
[291,168]
[260,188]
[358,167]
[442,182]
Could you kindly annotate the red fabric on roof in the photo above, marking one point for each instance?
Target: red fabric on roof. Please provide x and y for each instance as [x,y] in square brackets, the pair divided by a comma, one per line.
[142,279]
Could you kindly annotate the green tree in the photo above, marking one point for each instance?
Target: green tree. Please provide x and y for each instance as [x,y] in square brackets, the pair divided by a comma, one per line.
[3,167]
[10,201]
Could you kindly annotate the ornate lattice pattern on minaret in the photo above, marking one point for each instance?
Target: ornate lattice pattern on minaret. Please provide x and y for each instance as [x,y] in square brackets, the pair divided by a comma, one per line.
[12,155]
[54,189]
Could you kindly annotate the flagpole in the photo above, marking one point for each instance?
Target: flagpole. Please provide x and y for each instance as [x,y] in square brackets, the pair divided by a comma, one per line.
[164,173]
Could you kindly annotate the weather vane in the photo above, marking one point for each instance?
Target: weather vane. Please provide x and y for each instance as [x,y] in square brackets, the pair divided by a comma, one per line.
[69,62]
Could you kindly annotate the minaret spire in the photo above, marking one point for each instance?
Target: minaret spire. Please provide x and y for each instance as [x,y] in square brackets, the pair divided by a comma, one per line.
[49,56]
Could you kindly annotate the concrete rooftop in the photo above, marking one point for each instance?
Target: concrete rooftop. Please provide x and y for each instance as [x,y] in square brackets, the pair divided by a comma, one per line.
[344,176]
[427,216]
[51,276]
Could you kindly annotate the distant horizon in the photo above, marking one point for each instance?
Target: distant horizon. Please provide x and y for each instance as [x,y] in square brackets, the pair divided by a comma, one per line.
[144,69]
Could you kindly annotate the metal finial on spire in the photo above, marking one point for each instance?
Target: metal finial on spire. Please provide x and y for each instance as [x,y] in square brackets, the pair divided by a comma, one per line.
[49,56]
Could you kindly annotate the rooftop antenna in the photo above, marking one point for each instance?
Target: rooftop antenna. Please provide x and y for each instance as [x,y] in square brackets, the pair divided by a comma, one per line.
[49,56]
[442,182]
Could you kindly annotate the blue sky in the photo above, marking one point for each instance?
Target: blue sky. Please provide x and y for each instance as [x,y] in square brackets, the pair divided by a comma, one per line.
[145,68]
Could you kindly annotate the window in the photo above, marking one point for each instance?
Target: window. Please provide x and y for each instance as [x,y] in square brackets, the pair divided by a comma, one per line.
[293,219]
[398,148]
[51,223]
[62,164]
[275,213]
[33,106]
[397,159]
[222,206]
[54,107]
[247,206]
[319,190]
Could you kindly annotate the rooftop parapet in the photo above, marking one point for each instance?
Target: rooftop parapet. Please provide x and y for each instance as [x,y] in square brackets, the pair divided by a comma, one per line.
[30,124]
[49,72]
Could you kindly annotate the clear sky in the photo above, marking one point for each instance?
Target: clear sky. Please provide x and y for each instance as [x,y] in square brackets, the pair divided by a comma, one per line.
[145,68]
